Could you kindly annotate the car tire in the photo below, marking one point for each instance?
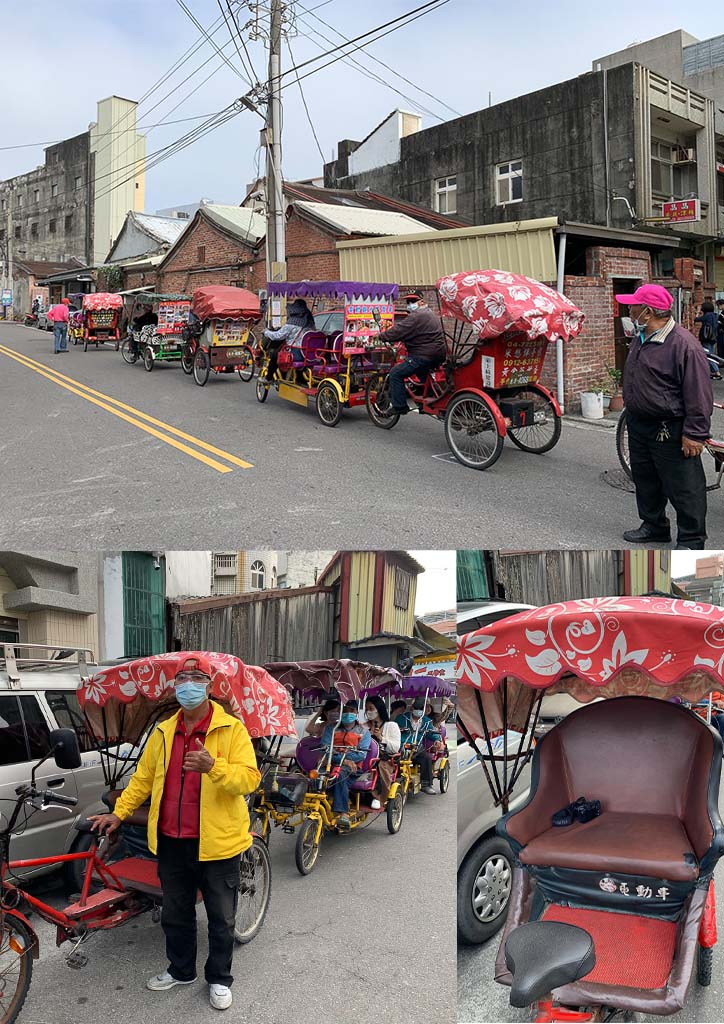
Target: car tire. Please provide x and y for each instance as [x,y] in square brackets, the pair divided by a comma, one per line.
[488,865]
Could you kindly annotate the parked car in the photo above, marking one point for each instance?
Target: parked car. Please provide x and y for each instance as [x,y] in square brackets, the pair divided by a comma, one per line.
[44,324]
[37,696]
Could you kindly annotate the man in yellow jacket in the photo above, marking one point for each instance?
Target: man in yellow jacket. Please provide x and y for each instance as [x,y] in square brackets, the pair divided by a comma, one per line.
[196,767]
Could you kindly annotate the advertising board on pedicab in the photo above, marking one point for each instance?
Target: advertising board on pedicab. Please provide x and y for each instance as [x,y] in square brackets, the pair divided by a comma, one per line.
[363,322]
[508,362]
[173,316]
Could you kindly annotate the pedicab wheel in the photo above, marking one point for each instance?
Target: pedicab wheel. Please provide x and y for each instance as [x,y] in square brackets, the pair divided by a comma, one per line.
[202,366]
[377,402]
[254,892]
[262,391]
[444,779]
[329,407]
[16,966]
[246,372]
[539,437]
[395,811]
[256,825]
[118,344]
[306,850]
[622,445]
[85,344]
[704,962]
[127,352]
[471,431]
[187,359]
[148,359]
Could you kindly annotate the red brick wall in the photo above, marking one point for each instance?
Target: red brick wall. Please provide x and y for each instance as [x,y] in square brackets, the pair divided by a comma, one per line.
[225,262]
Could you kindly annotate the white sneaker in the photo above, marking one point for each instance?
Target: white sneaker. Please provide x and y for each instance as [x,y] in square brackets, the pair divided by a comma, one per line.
[160,982]
[220,997]
[376,805]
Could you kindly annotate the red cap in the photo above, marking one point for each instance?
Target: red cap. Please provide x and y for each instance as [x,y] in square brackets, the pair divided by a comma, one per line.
[191,665]
[652,295]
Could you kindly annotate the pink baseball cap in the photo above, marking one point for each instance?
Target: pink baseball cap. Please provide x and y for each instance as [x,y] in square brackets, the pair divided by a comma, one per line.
[652,295]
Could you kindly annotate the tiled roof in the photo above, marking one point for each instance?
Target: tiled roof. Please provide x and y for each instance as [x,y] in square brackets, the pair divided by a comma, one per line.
[372,200]
[45,268]
[238,220]
[360,220]
[163,229]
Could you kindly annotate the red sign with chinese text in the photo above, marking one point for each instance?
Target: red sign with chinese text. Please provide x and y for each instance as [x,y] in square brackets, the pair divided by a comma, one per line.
[682,211]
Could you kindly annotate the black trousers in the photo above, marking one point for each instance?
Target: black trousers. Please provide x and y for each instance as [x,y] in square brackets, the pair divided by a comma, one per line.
[182,874]
[661,473]
[425,762]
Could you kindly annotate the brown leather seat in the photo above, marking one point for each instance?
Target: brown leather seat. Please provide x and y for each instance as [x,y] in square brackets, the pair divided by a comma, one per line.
[138,817]
[655,768]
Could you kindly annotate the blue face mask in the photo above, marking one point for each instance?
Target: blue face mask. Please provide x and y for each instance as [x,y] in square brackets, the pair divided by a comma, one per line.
[412,306]
[349,718]
[190,695]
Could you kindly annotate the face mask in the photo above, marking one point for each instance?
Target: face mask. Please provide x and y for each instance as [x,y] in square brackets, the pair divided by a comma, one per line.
[417,714]
[349,718]
[411,306]
[371,715]
[638,325]
[190,695]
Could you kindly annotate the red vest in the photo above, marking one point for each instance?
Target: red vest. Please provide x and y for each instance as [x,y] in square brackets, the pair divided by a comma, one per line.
[179,815]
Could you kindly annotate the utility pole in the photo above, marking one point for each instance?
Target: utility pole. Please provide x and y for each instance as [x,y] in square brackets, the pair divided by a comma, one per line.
[276,248]
[9,248]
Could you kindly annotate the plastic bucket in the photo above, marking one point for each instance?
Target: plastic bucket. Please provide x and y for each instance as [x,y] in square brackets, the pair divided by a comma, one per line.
[592,405]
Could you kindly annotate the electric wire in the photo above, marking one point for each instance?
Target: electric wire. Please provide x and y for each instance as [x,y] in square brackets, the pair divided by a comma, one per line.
[306,108]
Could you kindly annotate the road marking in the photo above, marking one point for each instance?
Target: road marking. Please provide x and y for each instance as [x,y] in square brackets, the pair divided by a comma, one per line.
[199,456]
[60,378]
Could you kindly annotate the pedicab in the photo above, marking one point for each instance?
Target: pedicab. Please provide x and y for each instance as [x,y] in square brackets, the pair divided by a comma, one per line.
[162,342]
[219,335]
[489,384]
[332,370]
[120,706]
[75,326]
[296,793]
[101,318]
[612,906]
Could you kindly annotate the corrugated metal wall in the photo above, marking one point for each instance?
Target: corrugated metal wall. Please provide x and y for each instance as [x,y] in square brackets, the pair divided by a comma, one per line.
[398,620]
[295,627]
[649,570]
[524,247]
[361,594]
[545,577]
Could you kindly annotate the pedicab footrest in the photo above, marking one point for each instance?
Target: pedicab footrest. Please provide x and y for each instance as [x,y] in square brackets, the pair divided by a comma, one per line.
[286,790]
[631,951]
[95,901]
[140,873]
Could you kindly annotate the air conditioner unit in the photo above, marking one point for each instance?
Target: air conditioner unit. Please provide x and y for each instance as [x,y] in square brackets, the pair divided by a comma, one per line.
[685,156]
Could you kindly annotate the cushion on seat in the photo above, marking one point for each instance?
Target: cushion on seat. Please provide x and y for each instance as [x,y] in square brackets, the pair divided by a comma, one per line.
[636,844]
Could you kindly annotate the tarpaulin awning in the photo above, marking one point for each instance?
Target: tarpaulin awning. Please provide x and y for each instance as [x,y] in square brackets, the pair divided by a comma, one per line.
[225,302]
[496,302]
[247,691]
[414,686]
[348,678]
[332,290]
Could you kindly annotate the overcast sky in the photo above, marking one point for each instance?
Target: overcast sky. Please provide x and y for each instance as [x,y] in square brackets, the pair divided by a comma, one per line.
[683,563]
[435,586]
[60,58]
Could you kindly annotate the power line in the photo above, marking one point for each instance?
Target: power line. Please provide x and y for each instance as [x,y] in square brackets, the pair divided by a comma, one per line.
[250,65]
[306,108]
[121,131]
[201,29]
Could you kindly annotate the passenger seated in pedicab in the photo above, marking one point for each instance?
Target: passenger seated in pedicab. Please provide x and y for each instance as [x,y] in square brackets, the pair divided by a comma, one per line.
[387,734]
[328,713]
[422,334]
[146,318]
[351,742]
[416,726]
[397,709]
[299,320]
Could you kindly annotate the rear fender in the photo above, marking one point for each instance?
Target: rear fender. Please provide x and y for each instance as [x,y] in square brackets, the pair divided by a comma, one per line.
[22,919]
[495,411]
[336,385]
[549,395]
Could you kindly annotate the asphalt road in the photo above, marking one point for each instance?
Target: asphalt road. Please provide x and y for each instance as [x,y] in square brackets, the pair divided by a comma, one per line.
[369,936]
[76,471]
[482,1001]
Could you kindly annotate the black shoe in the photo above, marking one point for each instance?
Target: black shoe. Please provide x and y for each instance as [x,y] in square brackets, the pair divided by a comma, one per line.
[645,534]
[401,411]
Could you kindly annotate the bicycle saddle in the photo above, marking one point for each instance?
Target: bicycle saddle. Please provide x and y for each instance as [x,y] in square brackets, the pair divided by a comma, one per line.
[543,955]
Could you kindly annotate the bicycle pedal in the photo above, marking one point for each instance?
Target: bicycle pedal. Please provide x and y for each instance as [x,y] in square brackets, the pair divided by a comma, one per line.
[76,960]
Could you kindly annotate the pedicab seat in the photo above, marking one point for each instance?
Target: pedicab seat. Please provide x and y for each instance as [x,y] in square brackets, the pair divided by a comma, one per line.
[139,816]
[367,780]
[658,789]
[543,955]
[308,753]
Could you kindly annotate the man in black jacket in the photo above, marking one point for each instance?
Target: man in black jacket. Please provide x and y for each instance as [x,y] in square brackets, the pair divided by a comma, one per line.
[422,334]
[669,402]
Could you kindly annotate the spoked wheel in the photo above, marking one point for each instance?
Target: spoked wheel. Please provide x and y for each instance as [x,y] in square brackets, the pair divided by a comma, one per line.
[306,850]
[378,404]
[257,825]
[246,371]
[254,891]
[148,359]
[395,811]
[202,366]
[129,355]
[262,391]
[704,963]
[187,359]
[622,445]
[329,407]
[444,778]
[471,431]
[16,966]
[545,430]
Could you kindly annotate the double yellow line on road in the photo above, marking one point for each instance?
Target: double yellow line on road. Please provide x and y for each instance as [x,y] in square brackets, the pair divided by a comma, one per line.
[133,416]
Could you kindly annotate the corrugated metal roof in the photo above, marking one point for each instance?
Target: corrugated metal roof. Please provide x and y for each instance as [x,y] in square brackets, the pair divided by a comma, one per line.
[356,220]
[163,229]
[522,247]
[240,221]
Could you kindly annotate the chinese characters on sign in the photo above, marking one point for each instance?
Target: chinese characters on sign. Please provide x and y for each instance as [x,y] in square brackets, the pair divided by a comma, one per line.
[517,361]
[172,317]
[644,892]
[683,210]
[360,326]
[230,332]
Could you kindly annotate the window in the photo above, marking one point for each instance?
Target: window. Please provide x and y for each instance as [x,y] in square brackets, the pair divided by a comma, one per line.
[672,175]
[509,182]
[69,223]
[9,629]
[36,727]
[34,230]
[3,204]
[144,613]
[258,574]
[720,178]
[54,189]
[17,233]
[78,181]
[24,733]
[402,589]
[51,227]
[37,195]
[182,216]
[20,201]
[2,234]
[201,254]
[446,194]
[67,711]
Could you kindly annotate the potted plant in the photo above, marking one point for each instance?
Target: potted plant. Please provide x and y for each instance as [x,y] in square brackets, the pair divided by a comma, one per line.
[615,377]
